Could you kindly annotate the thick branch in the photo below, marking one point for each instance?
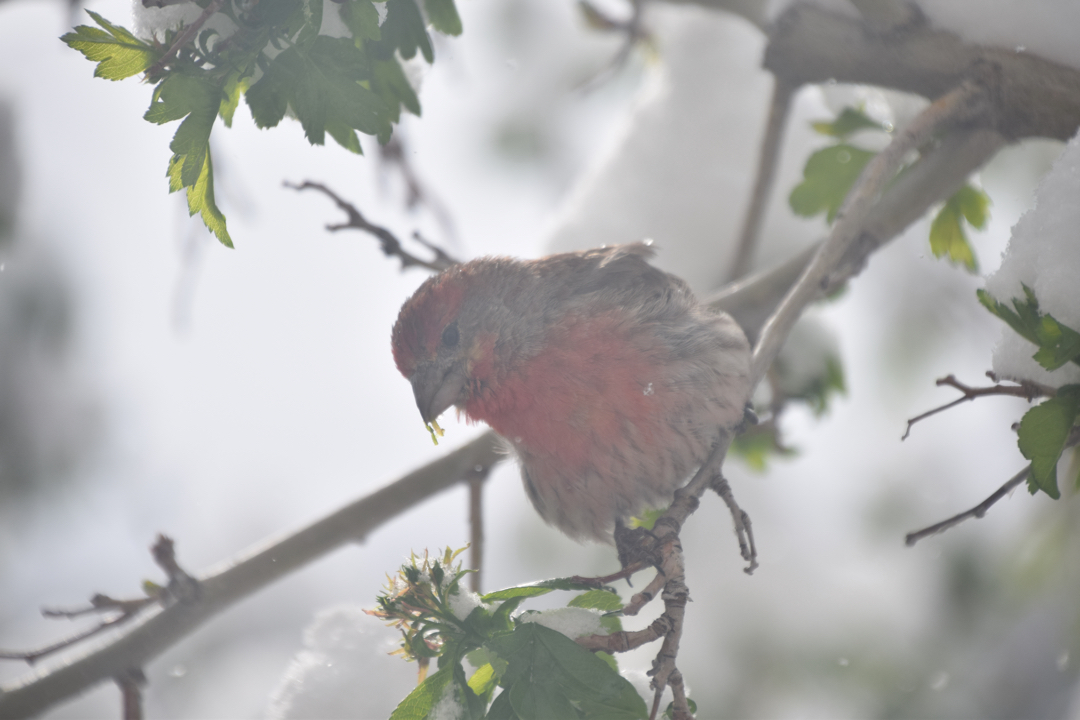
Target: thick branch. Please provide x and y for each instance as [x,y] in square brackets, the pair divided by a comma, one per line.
[1030,96]
[157,628]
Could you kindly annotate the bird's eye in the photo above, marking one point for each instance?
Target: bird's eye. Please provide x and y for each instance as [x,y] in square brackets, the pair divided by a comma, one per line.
[450,335]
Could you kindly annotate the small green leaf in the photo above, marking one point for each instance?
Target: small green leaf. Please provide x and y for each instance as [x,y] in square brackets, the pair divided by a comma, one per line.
[1043,432]
[443,16]
[417,705]
[200,197]
[974,204]
[118,53]
[404,30]
[597,600]
[647,519]
[849,122]
[389,82]
[947,236]
[534,589]
[757,444]
[484,680]
[1058,344]
[362,19]
[827,178]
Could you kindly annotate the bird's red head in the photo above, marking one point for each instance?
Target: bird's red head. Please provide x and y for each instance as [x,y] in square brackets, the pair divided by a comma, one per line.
[424,318]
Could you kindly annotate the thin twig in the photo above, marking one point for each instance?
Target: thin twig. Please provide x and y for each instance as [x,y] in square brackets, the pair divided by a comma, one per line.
[476,526]
[632,32]
[768,159]
[389,243]
[1027,390]
[393,153]
[131,683]
[183,38]
[976,512]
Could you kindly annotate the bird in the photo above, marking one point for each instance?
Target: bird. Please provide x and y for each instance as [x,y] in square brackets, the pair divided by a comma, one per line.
[604,375]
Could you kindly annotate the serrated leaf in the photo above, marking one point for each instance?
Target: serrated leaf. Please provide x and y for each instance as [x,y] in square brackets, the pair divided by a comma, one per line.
[234,87]
[1058,344]
[417,705]
[404,30]
[550,676]
[974,204]
[362,19]
[947,236]
[389,82]
[200,197]
[118,53]
[1042,435]
[827,178]
[484,680]
[849,122]
[443,16]
[597,600]
[534,589]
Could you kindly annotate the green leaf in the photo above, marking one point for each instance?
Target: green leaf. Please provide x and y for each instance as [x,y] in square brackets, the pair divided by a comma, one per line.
[443,16]
[362,19]
[947,236]
[757,444]
[118,53]
[597,600]
[534,589]
[1043,432]
[827,178]
[200,197]
[321,82]
[974,204]
[404,30]
[418,704]
[647,519]
[550,676]
[389,82]
[1058,344]
[484,680]
[849,122]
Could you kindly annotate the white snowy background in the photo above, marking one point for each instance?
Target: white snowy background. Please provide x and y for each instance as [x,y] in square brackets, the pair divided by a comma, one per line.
[165,384]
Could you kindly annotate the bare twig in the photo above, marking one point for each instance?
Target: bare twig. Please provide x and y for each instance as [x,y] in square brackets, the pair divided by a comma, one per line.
[976,512]
[183,38]
[768,159]
[631,29]
[979,510]
[743,531]
[1027,390]
[131,683]
[389,243]
[393,153]
[476,525]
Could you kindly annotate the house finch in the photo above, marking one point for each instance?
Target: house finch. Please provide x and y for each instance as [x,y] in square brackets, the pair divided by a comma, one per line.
[605,375]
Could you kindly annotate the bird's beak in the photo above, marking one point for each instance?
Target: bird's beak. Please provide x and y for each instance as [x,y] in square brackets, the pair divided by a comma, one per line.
[436,389]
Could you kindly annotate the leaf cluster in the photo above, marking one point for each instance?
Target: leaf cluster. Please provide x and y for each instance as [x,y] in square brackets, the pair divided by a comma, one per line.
[1045,428]
[542,673]
[830,173]
[278,60]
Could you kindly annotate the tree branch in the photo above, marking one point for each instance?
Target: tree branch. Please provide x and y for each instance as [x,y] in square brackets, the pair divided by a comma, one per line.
[388,242]
[156,629]
[1027,390]
[768,159]
[976,512]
